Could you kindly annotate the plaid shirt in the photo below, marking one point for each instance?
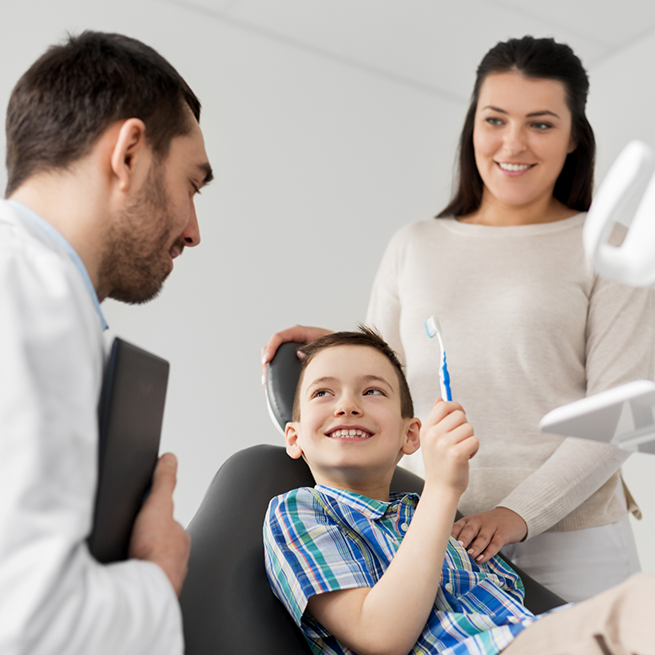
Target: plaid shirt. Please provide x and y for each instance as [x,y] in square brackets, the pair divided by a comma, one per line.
[324,539]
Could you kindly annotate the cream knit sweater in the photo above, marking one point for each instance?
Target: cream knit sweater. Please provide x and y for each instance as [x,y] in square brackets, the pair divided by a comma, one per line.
[527,326]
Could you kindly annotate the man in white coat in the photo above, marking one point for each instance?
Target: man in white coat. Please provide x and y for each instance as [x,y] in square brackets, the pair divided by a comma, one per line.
[104,157]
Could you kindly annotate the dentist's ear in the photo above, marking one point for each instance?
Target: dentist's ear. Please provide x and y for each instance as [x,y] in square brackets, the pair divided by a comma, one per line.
[412,436]
[130,152]
[291,434]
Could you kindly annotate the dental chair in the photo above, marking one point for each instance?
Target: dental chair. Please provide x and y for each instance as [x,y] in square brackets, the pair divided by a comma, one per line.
[227,604]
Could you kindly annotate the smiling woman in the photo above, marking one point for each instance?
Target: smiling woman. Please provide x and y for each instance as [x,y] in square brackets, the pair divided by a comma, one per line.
[528,326]
[528,85]
[521,138]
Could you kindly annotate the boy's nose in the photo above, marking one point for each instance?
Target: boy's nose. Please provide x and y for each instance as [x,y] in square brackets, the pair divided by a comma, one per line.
[347,407]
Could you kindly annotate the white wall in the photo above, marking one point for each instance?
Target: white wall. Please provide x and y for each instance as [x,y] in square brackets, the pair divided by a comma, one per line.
[317,163]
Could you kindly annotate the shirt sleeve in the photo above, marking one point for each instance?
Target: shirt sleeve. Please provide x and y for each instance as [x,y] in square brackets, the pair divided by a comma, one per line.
[307,553]
[54,597]
[620,341]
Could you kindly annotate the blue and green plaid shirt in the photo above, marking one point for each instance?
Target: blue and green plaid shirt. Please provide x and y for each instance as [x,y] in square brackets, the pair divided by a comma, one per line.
[324,539]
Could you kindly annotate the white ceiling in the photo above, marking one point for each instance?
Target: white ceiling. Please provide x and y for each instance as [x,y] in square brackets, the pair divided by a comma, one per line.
[431,45]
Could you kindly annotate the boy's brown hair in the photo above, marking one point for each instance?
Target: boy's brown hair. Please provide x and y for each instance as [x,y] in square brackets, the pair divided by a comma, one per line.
[364,336]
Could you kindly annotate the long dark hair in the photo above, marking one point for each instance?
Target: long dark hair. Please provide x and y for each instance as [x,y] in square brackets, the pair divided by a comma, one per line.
[540,59]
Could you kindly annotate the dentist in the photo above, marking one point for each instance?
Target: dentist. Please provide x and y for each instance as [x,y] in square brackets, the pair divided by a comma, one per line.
[104,156]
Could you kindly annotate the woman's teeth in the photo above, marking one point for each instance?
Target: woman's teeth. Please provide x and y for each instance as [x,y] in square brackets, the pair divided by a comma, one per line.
[514,167]
[348,434]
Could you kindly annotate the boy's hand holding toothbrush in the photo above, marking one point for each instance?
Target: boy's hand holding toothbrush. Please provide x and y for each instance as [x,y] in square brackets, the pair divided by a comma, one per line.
[447,444]
[484,534]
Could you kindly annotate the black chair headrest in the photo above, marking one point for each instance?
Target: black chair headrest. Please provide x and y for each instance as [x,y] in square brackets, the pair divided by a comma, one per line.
[282,376]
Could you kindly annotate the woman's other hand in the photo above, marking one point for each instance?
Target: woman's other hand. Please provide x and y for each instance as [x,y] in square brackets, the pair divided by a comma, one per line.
[483,535]
[300,333]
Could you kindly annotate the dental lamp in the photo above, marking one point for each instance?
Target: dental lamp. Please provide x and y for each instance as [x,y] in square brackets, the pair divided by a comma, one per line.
[633,262]
[622,415]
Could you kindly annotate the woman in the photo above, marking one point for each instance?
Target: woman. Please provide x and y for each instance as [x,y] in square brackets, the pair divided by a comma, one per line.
[527,325]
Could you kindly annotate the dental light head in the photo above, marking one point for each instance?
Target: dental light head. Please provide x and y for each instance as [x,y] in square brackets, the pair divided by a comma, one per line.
[633,262]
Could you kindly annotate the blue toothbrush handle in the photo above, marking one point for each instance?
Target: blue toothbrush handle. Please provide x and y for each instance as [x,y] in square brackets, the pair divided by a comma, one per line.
[445,380]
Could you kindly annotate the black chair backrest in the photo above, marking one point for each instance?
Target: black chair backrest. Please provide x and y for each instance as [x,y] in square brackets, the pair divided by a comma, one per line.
[227,603]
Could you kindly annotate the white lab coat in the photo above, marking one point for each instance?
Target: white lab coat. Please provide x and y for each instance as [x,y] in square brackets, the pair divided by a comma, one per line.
[54,597]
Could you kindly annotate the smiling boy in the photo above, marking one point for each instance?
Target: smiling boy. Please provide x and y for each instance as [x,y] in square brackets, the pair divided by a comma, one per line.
[363,570]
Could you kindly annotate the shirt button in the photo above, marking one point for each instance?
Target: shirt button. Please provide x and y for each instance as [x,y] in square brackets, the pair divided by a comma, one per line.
[404,527]
[394,508]
[512,619]
[449,588]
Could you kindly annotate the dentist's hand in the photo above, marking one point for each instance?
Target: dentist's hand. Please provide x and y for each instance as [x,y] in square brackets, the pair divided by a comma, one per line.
[157,537]
[483,535]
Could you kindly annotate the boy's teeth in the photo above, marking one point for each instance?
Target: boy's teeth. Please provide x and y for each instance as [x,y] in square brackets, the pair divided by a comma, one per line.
[514,167]
[348,434]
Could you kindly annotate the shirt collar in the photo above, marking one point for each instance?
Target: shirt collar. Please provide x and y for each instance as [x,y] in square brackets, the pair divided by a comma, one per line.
[37,221]
[370,507]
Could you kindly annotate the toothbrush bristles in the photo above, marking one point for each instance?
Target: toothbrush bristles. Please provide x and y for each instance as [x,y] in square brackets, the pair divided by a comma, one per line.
[432,327]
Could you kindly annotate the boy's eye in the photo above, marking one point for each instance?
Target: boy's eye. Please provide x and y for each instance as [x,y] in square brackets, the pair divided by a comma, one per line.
[320,393]
[374,392]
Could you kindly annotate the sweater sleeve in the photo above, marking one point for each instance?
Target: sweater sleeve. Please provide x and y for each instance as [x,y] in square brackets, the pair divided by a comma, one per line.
[619,348]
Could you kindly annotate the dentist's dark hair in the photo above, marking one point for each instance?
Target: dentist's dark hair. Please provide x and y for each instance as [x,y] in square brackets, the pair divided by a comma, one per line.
[534,59]
[366,337]
[76,90]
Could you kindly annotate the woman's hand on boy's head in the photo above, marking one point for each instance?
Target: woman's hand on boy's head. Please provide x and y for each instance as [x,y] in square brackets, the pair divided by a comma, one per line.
[447,443]
[484,534]
[299,333]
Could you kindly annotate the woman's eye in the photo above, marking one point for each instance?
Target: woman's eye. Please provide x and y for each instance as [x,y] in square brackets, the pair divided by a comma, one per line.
[541,126]
[492,120]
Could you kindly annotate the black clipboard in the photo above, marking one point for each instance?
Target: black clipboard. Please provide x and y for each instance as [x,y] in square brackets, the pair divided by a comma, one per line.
[130,416]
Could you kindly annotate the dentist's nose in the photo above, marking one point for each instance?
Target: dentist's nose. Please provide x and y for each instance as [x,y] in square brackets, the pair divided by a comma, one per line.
[191,233]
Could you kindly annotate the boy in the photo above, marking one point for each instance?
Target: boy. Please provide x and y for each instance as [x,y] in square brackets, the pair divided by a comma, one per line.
[362,570]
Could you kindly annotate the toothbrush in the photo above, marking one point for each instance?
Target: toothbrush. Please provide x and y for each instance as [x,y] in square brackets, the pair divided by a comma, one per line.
[433,329]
